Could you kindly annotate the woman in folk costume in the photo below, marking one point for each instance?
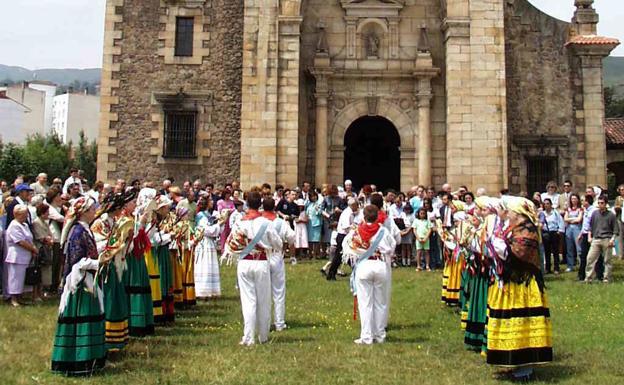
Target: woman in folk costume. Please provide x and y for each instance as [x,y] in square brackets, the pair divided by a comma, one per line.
[368,246]
[183,265]
[158,231]
[208,227]
[112,246]
[451,276]
[519,326]
[79,344]
[486,222]
[465,233]
[137,279]
[146,206]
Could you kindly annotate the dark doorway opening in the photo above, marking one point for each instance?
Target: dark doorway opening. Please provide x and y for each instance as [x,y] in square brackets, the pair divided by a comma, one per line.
[372,154]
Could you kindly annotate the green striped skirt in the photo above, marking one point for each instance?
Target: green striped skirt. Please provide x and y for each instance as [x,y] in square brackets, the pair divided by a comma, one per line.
[139,291]
[115,310]
[79,344]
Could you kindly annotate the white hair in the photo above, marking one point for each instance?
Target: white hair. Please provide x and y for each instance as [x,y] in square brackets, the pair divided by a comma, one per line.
[481,191]
[20,209]
[42,175]
[348,182]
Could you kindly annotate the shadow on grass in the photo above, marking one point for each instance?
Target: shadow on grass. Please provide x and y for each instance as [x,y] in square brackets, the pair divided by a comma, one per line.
[306,325]
[410,326]
[283,339]
[390,339]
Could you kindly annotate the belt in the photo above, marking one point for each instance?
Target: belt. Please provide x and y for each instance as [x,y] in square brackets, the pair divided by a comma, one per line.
[256,257]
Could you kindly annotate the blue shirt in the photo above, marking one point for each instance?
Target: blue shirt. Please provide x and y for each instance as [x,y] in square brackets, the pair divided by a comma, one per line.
[416,203]
[552,221]
[587,214]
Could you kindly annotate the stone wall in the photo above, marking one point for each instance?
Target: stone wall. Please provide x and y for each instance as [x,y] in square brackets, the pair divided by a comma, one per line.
[139,65]
[540,93]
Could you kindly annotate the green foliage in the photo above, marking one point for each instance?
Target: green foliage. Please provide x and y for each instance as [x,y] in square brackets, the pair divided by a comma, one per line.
[614,105]
[46,154]
[86,158]
[12,162]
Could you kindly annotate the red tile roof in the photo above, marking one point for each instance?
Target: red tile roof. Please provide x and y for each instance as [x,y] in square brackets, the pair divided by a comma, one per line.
[593,40]
[614,129]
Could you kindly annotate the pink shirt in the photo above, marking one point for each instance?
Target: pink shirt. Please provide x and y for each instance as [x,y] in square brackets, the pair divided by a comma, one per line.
[15,233]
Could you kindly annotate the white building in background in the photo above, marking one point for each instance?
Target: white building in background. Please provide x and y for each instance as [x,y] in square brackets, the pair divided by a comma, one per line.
[73,113]
[35,96]
[12,117]
[50,92]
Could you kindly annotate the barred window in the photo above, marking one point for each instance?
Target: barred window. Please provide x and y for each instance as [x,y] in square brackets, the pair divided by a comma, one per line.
[184,36]
[180,134]
[540,170]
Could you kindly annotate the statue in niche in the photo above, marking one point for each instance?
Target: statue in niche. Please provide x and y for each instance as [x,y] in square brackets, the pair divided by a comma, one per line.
[372,45]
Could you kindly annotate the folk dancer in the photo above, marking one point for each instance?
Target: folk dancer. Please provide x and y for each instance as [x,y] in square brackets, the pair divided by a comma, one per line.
[368,246]
[276,262]
[206,269]
[252,241]
[183,265]
[517,302]
[111,242]
[79,344]
[137,281]
[160,238]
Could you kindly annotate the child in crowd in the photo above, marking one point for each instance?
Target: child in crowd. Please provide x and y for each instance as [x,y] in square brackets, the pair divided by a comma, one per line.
[301,230]
[422,230]
[407,235]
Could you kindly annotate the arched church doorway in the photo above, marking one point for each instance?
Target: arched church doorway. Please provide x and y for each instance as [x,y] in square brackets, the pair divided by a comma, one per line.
[372,154]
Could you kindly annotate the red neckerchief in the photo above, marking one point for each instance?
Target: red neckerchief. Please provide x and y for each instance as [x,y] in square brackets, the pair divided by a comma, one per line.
[251,215]
[381,217]
[368,230]
[270,215]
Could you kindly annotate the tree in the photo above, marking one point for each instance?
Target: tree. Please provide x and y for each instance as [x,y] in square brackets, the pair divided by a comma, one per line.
[86,157]
[46,154]
[614,106]
[12,162]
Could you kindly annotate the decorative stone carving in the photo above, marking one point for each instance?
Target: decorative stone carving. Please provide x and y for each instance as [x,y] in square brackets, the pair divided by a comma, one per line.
[372,45]
[322,47]
[373,103]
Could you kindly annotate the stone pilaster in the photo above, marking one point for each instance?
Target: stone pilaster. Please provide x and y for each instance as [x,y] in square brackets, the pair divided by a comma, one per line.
[106,162]
[476,95]
[425,165]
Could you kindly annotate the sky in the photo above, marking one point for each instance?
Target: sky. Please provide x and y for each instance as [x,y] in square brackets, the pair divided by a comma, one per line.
[69,33]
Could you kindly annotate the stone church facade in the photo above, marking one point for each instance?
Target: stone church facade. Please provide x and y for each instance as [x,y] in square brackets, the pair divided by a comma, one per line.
[490,93]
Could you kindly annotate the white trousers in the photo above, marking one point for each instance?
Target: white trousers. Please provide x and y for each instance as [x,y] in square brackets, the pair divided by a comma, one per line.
[370,279]
[254,283]
[387,291]
[278,289]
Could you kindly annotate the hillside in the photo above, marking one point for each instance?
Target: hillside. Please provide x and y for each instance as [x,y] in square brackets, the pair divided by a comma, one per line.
[614,73]
[60,76]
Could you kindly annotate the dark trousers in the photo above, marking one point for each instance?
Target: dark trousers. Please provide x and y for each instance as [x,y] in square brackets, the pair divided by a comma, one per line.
[337,260]
[584,251]
[551,247]
[57,265]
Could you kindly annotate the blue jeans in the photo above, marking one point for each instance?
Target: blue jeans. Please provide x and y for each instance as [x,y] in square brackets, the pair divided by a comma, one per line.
[573,247]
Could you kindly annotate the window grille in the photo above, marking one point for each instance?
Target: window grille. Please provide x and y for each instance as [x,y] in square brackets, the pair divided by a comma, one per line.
[180,135]
[184,36]
[540,170]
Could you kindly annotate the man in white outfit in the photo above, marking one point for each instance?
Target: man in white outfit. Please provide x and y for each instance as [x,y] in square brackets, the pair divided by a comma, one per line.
[276,262]
[393,230]
[252,241]
[370,245]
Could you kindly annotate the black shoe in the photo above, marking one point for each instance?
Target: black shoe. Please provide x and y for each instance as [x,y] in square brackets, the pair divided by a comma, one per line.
[324,272]
[331,278]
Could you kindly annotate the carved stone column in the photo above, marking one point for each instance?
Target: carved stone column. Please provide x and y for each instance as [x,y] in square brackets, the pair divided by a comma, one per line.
[321,148]
[424,131]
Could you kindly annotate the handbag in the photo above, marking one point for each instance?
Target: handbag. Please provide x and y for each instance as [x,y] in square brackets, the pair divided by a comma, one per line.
[45,255]
[33,275]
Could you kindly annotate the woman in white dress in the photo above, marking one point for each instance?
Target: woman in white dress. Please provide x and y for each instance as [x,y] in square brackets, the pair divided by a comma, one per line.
[207,280]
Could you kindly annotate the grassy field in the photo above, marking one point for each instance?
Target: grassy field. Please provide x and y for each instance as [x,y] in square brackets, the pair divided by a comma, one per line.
[424,346]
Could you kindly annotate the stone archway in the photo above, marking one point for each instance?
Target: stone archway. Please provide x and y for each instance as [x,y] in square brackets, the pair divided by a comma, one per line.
[403,123]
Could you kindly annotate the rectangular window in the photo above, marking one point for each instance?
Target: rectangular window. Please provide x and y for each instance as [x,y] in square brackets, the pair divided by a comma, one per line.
[180,134]
[184,36]
[540,170]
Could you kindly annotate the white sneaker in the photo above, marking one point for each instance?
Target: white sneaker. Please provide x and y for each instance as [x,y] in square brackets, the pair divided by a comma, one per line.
[360,341]
[293,261]
[379,340]
[243,343]
[281,328]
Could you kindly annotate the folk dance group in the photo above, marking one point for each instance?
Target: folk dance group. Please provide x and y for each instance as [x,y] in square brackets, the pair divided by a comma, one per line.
[129,266]
[493,273]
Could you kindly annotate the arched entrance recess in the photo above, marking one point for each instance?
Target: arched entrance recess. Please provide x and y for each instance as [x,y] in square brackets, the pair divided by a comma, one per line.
[372,153]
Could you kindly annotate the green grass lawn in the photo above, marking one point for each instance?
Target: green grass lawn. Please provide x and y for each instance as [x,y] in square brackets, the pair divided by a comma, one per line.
[424,346]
